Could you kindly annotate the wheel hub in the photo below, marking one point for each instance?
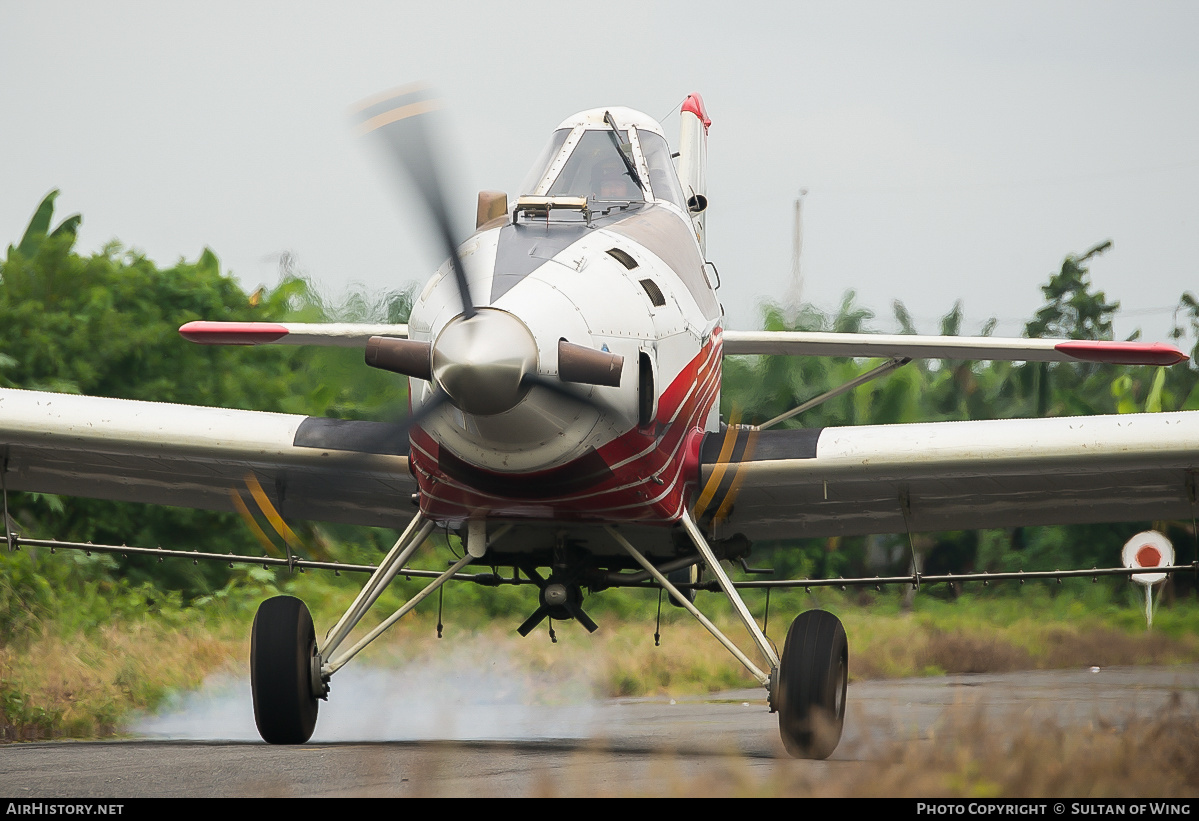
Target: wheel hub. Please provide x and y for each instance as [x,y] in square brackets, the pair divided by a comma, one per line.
[319,681]
[772,690]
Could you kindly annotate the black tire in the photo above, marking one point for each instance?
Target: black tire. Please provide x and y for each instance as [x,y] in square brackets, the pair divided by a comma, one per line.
[688,575]
[282,644]
[813,675]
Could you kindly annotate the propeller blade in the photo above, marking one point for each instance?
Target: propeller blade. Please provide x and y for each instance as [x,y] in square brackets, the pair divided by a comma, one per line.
[400,118]
[581,617]
[438,399]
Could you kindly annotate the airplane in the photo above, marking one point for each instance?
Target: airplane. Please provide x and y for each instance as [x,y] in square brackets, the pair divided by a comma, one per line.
[564,372]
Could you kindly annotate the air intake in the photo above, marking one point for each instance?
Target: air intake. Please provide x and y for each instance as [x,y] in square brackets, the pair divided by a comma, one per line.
[623,258]
[655,293]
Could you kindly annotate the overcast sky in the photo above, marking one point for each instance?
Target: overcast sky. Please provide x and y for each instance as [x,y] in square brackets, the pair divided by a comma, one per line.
[949,150]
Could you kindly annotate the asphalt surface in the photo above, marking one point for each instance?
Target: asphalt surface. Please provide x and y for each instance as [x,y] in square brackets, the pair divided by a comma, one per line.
[620,747]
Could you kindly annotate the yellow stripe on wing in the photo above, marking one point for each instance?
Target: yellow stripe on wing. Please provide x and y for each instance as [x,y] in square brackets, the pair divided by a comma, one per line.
[722,463]
[263,539]
[747,454]
[271,514]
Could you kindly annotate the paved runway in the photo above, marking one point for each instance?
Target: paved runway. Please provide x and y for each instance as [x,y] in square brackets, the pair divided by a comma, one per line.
[620,747]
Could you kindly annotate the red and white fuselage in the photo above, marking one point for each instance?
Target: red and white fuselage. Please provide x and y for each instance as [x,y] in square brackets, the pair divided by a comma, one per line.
[603,258]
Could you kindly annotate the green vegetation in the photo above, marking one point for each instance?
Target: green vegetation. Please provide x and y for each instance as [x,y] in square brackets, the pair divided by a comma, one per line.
[760,388]
[101,653]
[107,325]
[85,640]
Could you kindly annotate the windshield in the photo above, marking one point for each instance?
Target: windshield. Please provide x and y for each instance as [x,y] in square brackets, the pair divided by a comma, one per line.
[541,166]
[596,171]
[586,163]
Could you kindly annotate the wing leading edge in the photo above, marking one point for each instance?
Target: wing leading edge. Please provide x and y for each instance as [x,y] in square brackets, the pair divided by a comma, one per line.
[186,456]
[330,335]
[795,343]
[950,475]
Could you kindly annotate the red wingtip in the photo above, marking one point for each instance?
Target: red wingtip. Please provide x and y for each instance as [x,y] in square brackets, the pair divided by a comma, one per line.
[232,333]
[1122,353]
[695,104]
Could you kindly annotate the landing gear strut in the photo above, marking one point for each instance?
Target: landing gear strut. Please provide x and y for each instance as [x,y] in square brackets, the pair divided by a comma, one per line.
[288,672]
[806,686]
[282,651]
[812,677]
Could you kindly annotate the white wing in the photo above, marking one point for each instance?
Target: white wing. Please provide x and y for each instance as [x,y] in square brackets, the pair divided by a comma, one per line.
[951,475]
[332,334]
[310,468]
[950,347]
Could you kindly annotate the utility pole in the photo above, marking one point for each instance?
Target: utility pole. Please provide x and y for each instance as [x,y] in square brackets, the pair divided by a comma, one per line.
[794,296]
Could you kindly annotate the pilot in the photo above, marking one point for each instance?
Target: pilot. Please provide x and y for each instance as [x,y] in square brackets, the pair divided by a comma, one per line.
[610,181]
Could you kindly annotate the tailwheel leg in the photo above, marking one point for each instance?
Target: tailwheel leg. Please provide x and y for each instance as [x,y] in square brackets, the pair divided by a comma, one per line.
[810,690]
[282,656]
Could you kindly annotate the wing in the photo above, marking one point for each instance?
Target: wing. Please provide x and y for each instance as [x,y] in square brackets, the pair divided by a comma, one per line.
[950,347]
[950,475]
[310,468]
[327,334]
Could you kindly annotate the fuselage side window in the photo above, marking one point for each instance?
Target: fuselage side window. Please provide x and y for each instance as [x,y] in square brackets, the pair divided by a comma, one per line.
[663,179]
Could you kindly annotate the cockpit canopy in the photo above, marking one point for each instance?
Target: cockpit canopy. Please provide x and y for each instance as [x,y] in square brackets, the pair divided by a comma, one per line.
[611,157]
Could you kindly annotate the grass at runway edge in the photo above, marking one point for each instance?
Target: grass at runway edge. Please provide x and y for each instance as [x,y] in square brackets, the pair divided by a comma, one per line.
[73,674]
[967,757]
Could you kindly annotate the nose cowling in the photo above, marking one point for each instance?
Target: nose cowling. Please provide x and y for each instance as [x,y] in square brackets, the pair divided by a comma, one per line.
[481,362]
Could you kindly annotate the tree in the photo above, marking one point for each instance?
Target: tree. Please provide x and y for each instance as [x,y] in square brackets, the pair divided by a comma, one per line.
[39,227]
[1182,384]
[1072,310]
[107,324]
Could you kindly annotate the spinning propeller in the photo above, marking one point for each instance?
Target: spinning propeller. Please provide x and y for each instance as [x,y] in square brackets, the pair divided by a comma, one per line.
[485,360]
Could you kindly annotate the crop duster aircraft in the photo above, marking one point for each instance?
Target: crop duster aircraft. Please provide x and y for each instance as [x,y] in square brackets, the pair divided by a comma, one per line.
[564,372]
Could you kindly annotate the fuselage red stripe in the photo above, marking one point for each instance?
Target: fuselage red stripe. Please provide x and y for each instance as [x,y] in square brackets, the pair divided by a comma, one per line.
[637,459]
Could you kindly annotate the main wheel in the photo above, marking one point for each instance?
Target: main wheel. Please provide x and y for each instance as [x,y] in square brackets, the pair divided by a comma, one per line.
[282,645]
[813,674]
